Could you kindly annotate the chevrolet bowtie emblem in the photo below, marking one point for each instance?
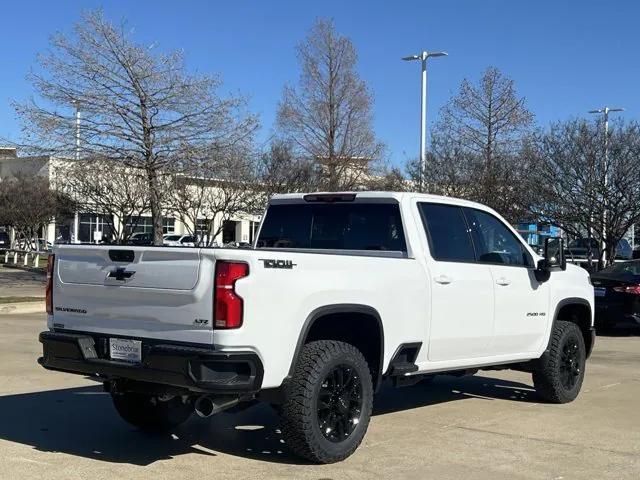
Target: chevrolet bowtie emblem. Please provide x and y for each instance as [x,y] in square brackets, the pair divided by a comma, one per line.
[120,274]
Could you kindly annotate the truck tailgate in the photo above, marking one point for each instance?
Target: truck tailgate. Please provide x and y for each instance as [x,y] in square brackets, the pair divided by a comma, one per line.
[150,292]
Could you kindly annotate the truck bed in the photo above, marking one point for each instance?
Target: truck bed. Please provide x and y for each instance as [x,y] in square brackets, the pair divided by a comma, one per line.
[169,295]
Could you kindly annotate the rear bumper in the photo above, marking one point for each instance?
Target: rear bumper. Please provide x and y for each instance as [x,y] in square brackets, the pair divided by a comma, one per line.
[197,369]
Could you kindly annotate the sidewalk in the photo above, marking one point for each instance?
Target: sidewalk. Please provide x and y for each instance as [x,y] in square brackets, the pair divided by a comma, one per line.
[21,291]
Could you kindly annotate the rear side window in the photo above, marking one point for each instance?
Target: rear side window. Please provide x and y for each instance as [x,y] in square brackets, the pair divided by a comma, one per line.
[336,226]
[447,232]
[493,241]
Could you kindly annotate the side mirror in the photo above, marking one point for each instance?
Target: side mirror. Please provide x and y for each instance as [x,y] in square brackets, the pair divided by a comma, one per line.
[554,258]
[554,253]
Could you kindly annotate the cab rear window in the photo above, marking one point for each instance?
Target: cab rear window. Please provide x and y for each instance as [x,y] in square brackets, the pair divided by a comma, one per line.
[336,226]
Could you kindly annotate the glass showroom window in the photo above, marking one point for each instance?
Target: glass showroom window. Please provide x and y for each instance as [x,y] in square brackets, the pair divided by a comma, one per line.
[140,225]
[145,225]
[90,222]
[168,225]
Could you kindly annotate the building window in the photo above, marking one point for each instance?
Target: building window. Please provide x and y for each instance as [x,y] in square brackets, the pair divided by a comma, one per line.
[139,225]
[145,225]
[168,225]
[202,227]
[228,231]
[65,230]
[90,222]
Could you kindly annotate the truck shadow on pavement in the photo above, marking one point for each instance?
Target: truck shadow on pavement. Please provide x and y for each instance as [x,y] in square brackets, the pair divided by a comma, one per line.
[82,422]
[629,330]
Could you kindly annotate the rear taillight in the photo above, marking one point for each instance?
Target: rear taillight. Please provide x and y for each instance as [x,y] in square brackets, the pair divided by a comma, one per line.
[632,289]
[227,304]
[49,289]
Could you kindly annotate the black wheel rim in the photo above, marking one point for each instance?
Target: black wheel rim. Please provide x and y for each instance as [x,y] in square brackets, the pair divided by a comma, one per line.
[570,364]
[339,403]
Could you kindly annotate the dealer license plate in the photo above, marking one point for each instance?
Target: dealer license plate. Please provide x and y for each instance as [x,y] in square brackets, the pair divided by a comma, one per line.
[125,350]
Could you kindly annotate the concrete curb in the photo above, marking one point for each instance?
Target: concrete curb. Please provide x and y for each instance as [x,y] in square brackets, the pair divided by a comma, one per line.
[22,307]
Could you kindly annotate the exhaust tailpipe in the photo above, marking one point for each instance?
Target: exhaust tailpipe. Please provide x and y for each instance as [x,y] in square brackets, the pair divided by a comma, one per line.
[205,406]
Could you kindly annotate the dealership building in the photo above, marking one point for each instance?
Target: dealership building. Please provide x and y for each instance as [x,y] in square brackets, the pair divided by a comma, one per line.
[87,225]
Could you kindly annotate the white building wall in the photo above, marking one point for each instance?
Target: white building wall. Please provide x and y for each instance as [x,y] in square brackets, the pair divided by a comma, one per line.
[48,167]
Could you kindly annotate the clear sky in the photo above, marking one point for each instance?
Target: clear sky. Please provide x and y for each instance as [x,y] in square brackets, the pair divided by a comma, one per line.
[566,57]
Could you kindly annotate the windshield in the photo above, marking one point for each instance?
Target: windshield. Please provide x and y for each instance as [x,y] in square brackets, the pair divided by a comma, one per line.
[172,238]
[629,268]
[339,226]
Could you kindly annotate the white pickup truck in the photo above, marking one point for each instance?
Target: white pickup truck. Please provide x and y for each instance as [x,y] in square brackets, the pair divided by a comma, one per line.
[340,292]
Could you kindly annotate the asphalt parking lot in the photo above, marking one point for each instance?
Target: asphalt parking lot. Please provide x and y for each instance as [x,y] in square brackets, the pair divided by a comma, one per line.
[59,426]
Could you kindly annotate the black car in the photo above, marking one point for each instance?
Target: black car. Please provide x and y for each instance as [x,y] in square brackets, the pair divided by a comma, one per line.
[5,241]
[617,294]
[141,239]
[580,248]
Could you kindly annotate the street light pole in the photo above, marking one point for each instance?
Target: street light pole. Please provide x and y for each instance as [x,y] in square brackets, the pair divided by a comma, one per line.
[423,107]
[605,113]
[76,103]
[423,119]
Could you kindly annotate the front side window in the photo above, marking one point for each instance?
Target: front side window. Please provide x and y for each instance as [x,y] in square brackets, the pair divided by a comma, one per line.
[339,226]
[447,232]
[493,241]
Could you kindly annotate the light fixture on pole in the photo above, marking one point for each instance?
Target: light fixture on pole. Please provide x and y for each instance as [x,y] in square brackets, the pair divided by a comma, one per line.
[423,109]
[605,111]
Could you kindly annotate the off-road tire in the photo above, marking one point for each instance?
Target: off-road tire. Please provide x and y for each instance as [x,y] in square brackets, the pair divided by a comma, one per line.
[550,370]
[150,413]
[300,415]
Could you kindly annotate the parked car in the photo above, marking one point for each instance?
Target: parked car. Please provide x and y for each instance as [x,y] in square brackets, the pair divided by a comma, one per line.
[617,294]
[5,241]
[237,245]
[37,244]
[579,249]
[141,239]
[173,240]
[346,290]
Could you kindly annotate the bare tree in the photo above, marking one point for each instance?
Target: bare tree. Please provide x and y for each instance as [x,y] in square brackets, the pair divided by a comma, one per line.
[280,170]
[572,192]
[388,180]
[477,144]
[488,119]
[27,204]
[119,193]
[139,106]
[217,188]
[328,116]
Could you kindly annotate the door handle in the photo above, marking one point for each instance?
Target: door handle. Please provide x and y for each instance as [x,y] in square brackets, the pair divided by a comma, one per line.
[503,281]
[443,279]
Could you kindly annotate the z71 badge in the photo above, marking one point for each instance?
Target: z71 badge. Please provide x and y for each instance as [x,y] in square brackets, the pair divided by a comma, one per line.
[272,263]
